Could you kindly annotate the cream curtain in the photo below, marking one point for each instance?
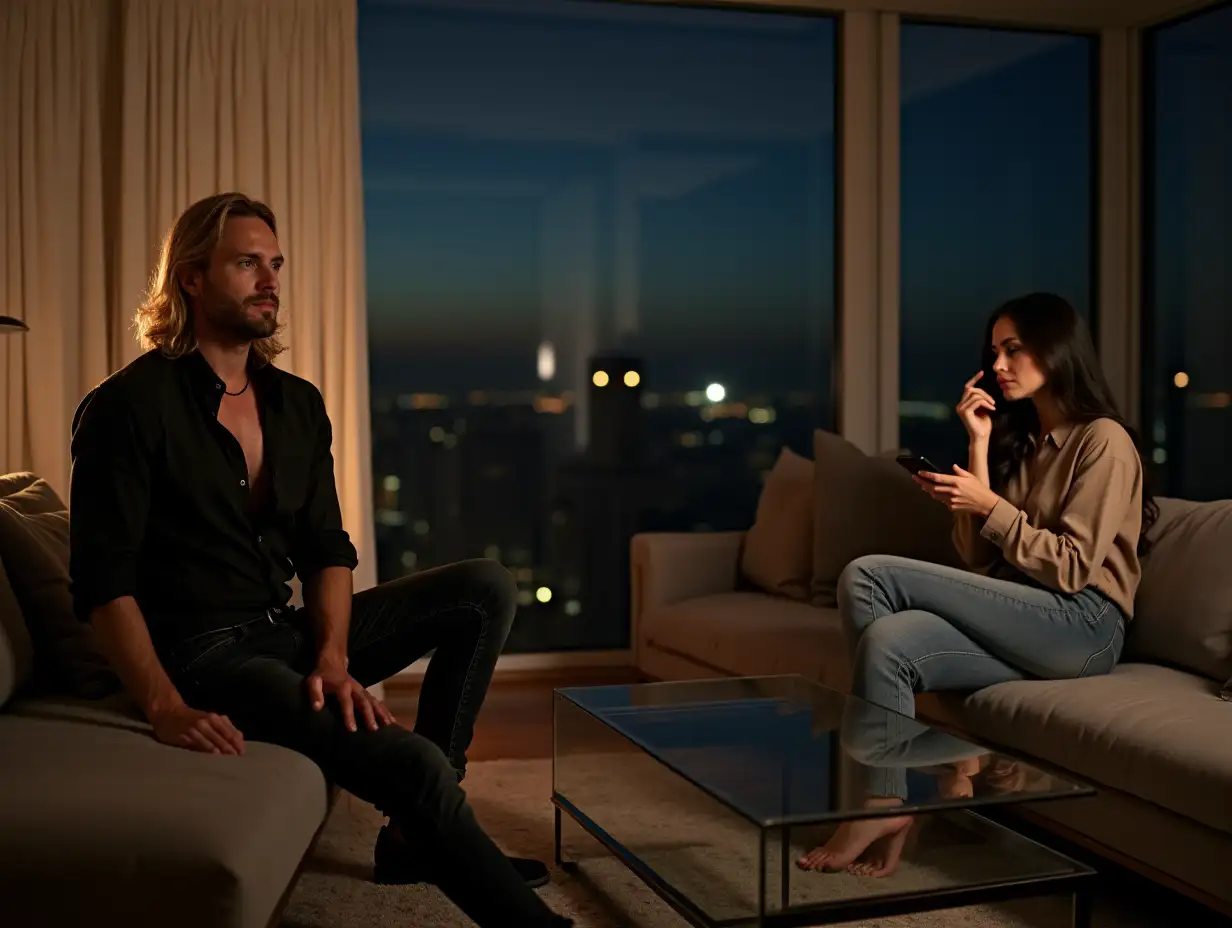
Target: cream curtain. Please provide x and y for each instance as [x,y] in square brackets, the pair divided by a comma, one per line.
[122,113]
[52,233]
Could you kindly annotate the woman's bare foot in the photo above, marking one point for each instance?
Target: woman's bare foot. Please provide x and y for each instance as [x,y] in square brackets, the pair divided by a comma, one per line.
[850,841]
[882,857]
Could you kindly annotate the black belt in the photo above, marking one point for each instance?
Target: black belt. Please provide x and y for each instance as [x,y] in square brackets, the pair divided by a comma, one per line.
[183,627]
[271,615]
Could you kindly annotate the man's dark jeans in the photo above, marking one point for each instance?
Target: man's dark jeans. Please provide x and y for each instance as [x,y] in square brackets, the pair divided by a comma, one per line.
[255,675]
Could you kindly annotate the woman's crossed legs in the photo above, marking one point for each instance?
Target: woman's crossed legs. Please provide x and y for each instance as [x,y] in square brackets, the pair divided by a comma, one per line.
[914,626]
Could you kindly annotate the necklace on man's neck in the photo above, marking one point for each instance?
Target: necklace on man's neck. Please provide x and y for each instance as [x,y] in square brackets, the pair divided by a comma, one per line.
[247,381]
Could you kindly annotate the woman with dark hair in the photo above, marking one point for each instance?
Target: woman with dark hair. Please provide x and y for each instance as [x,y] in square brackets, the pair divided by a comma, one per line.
[1049,516]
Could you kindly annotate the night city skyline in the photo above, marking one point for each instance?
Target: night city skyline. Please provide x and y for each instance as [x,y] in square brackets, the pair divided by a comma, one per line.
[592,178]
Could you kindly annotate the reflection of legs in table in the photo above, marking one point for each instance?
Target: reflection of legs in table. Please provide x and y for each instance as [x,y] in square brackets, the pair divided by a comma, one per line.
[866,737]
[887,745]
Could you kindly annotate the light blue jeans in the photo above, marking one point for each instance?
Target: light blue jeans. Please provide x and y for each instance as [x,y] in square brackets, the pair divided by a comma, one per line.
[912,626]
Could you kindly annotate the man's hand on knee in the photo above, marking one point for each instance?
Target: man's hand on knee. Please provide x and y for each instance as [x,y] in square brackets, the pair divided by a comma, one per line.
[332,679]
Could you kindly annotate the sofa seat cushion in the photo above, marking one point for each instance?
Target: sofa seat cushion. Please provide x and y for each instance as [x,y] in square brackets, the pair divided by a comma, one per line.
[1146,730]
[100,823]
[752,634]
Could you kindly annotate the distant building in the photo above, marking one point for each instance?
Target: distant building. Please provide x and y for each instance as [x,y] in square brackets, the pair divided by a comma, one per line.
[501,491]
[616,438]
[602,497]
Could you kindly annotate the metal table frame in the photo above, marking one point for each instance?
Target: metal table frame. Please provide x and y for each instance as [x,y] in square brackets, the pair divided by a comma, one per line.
[1077,885]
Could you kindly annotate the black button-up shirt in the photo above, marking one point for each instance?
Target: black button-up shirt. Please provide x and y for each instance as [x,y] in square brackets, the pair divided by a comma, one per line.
[160,507]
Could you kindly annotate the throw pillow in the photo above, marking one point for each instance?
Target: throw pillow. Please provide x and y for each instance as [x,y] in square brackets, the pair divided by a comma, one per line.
[868,505]
[34,545]
[778,548]
[16,652]
[1183,609]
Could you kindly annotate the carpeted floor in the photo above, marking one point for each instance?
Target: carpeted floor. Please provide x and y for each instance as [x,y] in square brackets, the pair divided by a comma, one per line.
[511,798]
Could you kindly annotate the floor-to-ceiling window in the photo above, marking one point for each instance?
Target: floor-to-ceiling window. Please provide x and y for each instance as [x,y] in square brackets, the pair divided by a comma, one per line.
[1187,294]
[997,190]
[601,282]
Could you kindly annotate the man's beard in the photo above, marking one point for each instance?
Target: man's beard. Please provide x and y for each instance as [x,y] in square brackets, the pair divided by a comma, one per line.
[233,318]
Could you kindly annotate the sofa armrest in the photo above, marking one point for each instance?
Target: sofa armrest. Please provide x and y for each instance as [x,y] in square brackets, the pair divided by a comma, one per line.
[670,567]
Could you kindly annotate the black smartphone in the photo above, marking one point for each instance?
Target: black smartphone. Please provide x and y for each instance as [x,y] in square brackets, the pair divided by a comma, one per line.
[917,463]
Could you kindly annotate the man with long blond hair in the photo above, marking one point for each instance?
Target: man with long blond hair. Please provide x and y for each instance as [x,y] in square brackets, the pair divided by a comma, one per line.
[202,482]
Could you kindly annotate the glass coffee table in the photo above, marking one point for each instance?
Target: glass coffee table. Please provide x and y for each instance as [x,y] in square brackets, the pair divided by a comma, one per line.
[712,791]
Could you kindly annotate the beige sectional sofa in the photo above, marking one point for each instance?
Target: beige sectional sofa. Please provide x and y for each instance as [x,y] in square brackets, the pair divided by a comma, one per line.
[1154,736]
[100,824]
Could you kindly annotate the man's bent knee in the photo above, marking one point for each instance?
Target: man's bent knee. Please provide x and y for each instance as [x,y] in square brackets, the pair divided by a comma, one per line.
[495,589]
[483,584]
[494,577]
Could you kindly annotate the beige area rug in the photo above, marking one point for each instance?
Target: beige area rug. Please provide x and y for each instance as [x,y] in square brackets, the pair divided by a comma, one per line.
[680,833]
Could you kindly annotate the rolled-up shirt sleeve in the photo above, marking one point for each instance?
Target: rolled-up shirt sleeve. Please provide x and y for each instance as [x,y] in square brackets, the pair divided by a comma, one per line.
[320,541]
[1104,485]
[109,498]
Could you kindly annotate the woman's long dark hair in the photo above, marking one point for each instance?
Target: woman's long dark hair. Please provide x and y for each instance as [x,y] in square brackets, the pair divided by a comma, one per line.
[1060,342]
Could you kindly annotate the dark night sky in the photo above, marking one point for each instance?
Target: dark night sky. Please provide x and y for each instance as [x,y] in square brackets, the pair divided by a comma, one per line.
[474,120]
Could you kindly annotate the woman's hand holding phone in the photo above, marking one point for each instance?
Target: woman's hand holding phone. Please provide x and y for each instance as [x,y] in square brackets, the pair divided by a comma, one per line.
[961,491]
[975,409]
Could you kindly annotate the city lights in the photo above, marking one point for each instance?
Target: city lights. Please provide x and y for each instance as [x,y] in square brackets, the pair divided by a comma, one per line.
[545,363]
[495,446]
[1181,379]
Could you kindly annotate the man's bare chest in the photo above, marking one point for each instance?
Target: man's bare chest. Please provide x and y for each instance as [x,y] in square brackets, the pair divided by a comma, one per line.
[240,417]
